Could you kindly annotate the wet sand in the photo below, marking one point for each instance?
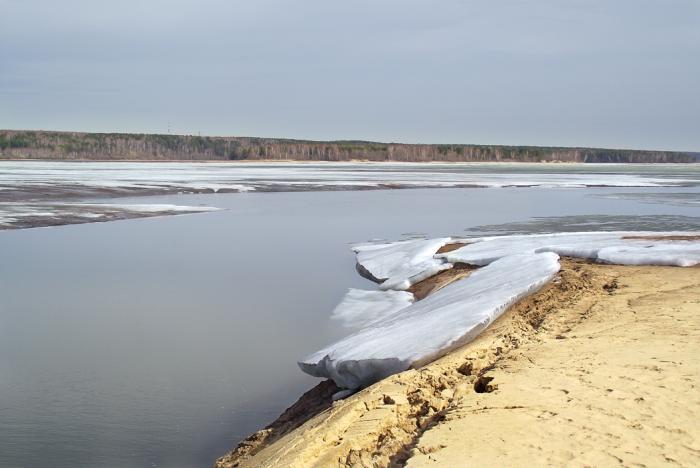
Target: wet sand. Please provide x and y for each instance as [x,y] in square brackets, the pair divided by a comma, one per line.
[598,368]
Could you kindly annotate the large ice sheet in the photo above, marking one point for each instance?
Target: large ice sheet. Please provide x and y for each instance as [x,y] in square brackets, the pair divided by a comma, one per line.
[629,248]
[395,337]
[434,326]
[398,265]
[360,308]
[52,181]
[135,176]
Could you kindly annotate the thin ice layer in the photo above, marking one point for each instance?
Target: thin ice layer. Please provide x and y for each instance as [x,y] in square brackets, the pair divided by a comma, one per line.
[144,208]
[626,248]
[360,308]
[33,214]
[398,265]
[434,326]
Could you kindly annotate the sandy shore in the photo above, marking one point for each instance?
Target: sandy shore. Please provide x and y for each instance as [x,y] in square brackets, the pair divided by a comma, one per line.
[598,368]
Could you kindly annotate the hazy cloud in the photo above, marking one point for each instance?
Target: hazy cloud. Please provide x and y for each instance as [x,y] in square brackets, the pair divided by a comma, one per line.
[621,73]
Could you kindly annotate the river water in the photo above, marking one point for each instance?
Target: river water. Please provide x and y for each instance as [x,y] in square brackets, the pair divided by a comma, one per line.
[164,341]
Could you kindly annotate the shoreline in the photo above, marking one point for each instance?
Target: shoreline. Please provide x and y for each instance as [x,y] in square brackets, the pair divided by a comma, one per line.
[603,353]
[354,161]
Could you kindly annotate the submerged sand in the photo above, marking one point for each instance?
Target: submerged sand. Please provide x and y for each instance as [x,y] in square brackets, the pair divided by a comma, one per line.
[598,368]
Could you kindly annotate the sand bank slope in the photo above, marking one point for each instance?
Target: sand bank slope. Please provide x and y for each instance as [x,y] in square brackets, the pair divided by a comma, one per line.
[597,368]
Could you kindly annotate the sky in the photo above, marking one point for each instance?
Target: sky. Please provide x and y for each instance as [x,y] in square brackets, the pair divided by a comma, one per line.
[605,73]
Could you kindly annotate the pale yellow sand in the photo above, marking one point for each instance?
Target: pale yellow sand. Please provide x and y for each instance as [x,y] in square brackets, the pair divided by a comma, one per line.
[600,368]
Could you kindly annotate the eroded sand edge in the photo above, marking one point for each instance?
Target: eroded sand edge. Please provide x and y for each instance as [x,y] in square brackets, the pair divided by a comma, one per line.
[598,368]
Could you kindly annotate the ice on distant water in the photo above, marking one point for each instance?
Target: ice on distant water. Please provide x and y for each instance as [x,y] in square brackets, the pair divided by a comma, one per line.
[434,326]
[399,265]
[361,308]
[130,177]
[145,208]
[17,214]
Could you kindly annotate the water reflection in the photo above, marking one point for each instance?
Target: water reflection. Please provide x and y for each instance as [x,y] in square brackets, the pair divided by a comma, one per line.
[164,341]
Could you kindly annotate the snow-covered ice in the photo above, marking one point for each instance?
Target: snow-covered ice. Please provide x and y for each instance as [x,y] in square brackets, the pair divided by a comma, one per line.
[434,326]
[362,308]
[397,335]
[398,265]
[670,254]
[627,248]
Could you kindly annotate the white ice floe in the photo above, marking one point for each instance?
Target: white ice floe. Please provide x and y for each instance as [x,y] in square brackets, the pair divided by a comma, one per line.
[675,254]
[398,265]
[199,186]
[396,336]
[434,326]
[627,248]
[361,308]
[144,208]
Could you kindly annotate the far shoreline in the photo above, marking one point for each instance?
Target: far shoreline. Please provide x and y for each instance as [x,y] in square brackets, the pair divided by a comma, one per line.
[351,161]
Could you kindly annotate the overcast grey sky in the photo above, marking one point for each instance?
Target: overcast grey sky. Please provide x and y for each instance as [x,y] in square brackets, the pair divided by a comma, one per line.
[612,73]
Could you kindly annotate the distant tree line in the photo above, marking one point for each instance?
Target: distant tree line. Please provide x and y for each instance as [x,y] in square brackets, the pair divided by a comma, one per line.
[115,146]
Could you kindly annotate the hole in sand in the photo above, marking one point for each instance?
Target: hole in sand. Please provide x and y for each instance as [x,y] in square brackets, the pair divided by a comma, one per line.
[466,368]
[483,385]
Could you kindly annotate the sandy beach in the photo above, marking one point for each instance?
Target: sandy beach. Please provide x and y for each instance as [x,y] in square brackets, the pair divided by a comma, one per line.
[599,368]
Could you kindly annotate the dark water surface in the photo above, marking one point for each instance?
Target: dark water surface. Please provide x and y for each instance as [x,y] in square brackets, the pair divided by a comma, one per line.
[163,341]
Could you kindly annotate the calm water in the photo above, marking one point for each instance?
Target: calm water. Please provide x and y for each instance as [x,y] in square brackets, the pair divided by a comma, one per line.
[163,341]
